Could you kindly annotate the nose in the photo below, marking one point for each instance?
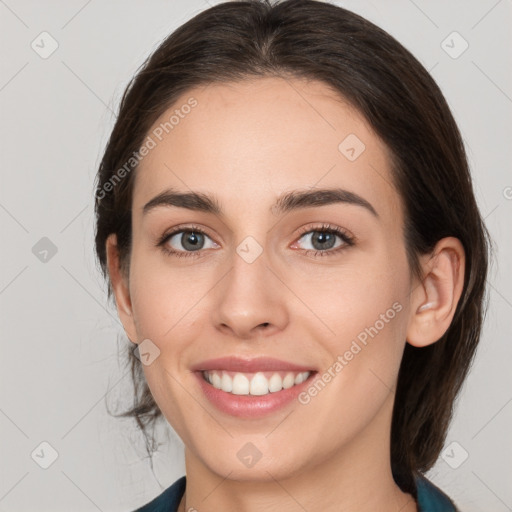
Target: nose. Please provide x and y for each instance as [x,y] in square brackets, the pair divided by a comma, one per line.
[251,300]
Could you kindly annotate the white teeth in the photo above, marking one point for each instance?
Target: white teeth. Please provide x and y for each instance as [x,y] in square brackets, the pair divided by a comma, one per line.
[240,384]
[253,384]
[216,381]
[300,378]
[288,381]
[226,383]
[259,385]
[275,383]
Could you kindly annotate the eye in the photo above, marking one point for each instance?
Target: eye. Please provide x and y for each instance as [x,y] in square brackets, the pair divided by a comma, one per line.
[324,240]
[184,242]
[190,240]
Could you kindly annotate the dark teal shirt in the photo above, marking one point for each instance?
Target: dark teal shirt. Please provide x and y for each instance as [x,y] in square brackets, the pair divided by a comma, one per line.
[430,498]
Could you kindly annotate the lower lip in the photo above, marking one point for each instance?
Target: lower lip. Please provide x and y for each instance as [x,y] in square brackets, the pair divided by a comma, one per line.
[251,406]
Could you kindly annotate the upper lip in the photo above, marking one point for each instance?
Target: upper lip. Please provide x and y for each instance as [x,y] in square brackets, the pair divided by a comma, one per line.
[237,364]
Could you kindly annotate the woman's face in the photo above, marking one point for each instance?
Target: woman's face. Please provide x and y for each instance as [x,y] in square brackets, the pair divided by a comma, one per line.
[268,276]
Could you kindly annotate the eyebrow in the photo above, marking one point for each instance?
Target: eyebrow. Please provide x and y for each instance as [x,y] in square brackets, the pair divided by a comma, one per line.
[289,201]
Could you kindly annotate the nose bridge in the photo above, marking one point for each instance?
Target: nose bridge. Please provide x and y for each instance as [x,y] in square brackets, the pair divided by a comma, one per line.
[250,297]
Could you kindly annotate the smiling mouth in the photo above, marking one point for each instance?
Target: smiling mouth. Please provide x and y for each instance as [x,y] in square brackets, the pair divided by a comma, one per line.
[257,384]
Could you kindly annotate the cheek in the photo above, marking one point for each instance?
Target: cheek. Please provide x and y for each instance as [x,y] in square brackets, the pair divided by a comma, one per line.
[166,306]
[348,301]
[370,347]
[165,299]
[364,354]
[362,313]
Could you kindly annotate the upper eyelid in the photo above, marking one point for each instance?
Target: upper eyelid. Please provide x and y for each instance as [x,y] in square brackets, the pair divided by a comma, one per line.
[183,228]
[302,231]
[323,227]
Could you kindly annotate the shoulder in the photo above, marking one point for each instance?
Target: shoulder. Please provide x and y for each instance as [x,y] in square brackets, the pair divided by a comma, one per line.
[431,498]
[168,500]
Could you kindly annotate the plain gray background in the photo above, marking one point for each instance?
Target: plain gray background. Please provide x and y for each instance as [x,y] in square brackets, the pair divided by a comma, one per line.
[60,339]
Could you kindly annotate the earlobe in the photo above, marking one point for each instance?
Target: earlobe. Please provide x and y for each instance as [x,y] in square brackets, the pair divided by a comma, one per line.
[120,288]
[434,301]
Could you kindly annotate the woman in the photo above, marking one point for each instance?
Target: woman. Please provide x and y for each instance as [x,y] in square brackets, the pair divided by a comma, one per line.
[287,223]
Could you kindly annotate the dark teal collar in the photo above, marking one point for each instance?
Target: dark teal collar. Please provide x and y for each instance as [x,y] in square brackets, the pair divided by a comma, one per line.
[430,498]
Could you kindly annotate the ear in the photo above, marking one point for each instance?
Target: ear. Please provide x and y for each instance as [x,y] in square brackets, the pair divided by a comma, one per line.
[120,287]
[435,298]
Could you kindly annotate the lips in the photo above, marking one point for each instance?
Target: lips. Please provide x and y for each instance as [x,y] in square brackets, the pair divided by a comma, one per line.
[251,388]
[254,365]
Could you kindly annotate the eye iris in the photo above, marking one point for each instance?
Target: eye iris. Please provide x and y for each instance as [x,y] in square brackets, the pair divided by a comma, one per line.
[191,240]
[322,237]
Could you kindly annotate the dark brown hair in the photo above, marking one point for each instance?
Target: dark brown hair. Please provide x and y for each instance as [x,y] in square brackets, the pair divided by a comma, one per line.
[319,41]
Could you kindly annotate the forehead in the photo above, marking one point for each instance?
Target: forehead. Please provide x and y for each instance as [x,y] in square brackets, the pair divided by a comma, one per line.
[249,141]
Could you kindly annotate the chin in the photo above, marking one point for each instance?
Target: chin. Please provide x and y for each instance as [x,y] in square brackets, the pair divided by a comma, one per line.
[239,467]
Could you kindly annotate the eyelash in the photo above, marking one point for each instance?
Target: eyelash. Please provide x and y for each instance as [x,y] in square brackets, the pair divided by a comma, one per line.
[348,240]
